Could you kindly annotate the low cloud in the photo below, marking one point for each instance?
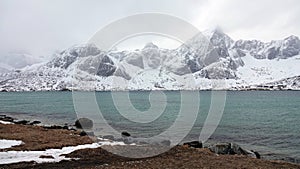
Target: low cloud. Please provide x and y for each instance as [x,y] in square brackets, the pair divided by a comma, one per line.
[42,27]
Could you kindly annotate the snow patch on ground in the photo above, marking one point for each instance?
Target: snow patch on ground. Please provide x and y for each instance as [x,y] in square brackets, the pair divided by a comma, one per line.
[5,122]
[56,154]
[9,143]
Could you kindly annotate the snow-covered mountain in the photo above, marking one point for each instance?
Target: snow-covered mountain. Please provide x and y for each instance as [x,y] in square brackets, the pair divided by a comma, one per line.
[211,60]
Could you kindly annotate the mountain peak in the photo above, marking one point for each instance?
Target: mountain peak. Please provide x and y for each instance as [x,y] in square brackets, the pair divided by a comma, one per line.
[212,31]
[218,30]
[292,37]
[150,45]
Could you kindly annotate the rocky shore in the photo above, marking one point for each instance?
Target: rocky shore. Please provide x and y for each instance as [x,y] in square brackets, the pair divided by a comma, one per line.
[35,138]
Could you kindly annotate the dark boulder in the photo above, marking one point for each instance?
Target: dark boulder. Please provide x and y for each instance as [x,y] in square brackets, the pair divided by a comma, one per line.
[220,148]
[194,144]
[82,133]
[53,127]
[6,118]
[257,155]
[56,127]
[23,122]
[34,122]
[84,123]
[227,148]
[232,149]
[125,134]
[85,133]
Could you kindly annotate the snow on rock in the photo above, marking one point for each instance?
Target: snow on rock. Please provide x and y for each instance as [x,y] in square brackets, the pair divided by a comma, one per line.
[9,143]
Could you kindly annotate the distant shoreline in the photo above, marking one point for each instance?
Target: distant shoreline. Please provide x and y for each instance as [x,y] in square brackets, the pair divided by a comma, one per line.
[146,90]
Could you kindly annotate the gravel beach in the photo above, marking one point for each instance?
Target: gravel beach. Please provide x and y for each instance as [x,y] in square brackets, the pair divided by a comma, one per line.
[39,138]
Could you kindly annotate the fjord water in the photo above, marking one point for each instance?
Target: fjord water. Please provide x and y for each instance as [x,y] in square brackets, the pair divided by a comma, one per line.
[265,121]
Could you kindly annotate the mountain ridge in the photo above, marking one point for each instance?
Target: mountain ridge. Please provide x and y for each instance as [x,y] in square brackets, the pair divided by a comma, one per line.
[207,58]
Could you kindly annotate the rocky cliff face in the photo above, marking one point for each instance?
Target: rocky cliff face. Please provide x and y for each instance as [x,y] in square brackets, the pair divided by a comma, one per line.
[280,49]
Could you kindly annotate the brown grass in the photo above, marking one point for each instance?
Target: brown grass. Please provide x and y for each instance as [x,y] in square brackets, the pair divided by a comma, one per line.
[39,138]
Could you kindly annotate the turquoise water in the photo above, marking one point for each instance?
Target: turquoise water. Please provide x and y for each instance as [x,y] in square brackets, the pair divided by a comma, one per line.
[266,121]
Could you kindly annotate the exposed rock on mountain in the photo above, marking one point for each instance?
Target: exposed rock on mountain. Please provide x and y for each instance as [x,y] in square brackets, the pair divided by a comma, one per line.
[280,49]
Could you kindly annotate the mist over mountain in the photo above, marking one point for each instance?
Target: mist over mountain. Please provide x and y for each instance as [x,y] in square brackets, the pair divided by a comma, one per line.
[199,64]
[17,60]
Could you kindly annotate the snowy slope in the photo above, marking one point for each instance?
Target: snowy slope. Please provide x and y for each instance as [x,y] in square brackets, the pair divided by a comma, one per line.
[266,74]
[258,71]
[211,60]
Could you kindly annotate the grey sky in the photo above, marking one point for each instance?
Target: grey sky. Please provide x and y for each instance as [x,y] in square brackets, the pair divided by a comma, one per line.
[40,27]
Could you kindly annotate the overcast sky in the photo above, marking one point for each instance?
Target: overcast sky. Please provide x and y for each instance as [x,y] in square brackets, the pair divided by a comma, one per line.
[40,27]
